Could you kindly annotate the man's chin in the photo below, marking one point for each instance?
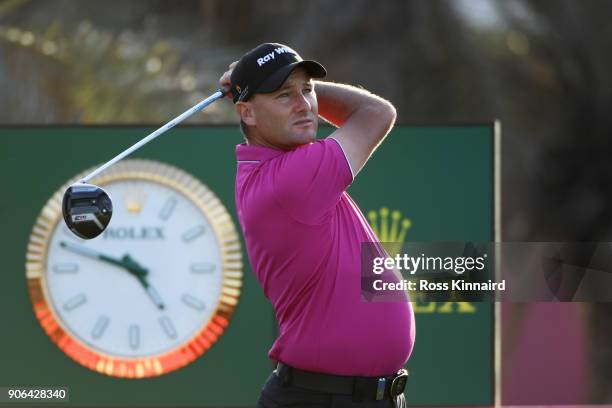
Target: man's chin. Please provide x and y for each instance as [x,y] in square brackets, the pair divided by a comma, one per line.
[309,137]
[304,138]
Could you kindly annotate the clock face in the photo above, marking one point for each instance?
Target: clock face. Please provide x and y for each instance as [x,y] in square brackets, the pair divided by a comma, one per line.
[107,306]
[163,275]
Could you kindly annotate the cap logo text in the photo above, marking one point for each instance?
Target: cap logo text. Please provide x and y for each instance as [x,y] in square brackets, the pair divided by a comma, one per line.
[270,56]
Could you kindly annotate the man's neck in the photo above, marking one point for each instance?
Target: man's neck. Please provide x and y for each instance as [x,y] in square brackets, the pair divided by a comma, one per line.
[254,140]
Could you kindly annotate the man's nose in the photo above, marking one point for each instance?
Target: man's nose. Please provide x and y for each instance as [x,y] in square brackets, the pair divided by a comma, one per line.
[302,103]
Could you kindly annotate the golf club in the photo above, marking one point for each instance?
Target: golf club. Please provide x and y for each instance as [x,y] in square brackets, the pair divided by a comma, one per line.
[87,208]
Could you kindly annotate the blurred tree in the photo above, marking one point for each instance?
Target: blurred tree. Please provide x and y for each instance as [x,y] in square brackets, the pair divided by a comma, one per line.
[71,62]
[571,189]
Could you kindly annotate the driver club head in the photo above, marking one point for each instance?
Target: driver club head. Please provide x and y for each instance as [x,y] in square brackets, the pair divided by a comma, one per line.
[87,210]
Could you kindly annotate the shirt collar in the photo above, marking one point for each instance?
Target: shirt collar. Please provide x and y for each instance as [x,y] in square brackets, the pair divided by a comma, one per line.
[246,152]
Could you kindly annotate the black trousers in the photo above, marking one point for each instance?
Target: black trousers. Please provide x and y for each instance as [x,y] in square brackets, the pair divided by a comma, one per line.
[276,395]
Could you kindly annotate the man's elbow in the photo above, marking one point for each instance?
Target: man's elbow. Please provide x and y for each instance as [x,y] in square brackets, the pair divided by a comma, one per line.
[379,110]
[381,120]
[390,113]
[384,113]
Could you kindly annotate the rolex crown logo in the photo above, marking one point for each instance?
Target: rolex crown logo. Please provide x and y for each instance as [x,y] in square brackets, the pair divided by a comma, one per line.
[390,232]
[134,201]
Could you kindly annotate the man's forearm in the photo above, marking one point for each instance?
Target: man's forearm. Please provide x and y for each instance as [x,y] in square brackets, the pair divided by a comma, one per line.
[338,102]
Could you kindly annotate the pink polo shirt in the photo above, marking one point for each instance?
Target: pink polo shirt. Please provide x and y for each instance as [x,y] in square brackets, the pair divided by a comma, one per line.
[303,234]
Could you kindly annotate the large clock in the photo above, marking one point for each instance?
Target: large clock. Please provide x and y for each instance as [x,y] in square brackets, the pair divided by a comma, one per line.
[155,290]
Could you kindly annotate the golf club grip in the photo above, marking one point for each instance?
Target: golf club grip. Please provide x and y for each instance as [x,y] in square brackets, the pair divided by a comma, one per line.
[198,107]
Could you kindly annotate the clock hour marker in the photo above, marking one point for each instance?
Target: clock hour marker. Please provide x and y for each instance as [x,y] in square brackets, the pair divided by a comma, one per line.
[134,336]
[202,268]
[168,327]
[193,233]
[100,327]
[65,268]
[74,302]
[167,209]
[193,302]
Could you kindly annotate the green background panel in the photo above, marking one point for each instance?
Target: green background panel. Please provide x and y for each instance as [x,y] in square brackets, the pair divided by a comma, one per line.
[439,177]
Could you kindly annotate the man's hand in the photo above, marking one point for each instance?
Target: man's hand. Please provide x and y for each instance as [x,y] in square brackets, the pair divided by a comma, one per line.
[224,82]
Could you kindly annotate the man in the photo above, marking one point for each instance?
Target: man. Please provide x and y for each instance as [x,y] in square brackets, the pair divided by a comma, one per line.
[303,232]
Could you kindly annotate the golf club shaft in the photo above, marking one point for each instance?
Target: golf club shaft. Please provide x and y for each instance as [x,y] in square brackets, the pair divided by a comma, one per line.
[201,105]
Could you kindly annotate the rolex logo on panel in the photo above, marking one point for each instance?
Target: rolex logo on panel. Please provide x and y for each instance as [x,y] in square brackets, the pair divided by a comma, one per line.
[391,232]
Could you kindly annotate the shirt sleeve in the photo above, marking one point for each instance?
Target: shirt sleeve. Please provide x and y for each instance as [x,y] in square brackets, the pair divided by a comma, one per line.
[309,181]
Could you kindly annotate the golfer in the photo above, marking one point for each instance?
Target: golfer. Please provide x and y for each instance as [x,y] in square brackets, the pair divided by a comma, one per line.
[303,232]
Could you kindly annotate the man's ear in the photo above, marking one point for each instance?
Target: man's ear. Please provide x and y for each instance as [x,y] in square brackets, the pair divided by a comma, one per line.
[246,113]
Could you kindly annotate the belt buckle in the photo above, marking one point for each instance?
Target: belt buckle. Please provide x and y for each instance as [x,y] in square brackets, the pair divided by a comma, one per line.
[380,388]
[399,382]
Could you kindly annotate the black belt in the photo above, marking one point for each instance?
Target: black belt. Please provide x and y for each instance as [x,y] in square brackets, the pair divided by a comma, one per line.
[361,388]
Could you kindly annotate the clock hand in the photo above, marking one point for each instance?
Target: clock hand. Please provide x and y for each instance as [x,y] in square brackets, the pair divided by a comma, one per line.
[151,292]
[125,262]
